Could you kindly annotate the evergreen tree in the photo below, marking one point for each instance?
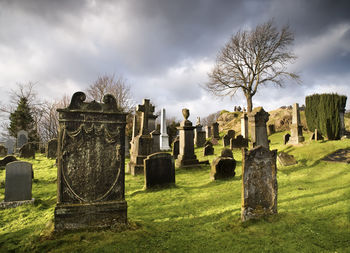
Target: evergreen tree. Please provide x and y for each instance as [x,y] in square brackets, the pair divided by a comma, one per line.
[21,118]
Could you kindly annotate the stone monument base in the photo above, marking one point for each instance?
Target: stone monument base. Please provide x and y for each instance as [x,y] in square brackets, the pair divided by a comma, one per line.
[11,204]
[90,216]
[296,140]
[182,163]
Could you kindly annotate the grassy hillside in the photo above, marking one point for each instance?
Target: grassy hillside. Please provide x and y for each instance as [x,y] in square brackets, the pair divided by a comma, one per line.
[199,215]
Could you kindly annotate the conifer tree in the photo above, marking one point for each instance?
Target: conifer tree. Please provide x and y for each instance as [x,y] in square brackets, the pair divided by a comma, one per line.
[21,118]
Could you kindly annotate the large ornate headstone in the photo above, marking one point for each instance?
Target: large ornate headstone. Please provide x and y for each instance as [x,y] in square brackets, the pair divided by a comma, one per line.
[22,138]
[296,128]
[244,125]
[51,149]
[215,130]
[186,155]
[90,173]
[142,144]
[259,174]
[164,138]
[257,121]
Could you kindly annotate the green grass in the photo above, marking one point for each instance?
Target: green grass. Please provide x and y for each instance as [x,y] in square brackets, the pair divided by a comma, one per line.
[200,215]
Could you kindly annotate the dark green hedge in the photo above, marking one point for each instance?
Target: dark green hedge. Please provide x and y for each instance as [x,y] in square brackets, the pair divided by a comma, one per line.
[322,112]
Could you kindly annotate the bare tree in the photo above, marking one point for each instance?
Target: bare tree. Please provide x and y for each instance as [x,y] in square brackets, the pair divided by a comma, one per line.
[252,58]
[116,86]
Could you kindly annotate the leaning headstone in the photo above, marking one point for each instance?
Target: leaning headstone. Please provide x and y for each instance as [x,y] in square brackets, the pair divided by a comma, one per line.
[91,172]
[224,166]
[22,138]
[316,136]
[51,149]
[257,119]
[208,149]
[296,127]
[164,138]
[10,145]
[207,132]
[18,181]
[159,169]
[286,160]
[286,138]
[3,150]
[27,151]
[186,157]
[259,174]
[244,125]
[215,130]
[238,142]
[6,160]
[176,147]
[155,135]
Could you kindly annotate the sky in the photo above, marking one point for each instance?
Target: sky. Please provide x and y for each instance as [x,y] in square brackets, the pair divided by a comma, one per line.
[165,48]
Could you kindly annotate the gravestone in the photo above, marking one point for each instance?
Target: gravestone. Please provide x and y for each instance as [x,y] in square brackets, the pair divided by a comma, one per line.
[142,144]
[200,138]
[286,138]
[271,129]
[186,157]
[286,160]
[208,148]
[152,122]
[215,130]
[51,148]
[27,150]
[155,135]
[3,150]
[238,142]
[259,189]
[164,138]
[159,169]
[227,137]
[207,132]
[22,138]
[7,159]
[176,147]
[257,121]
[244,125]
[10,145]
[296,128]
[316,136]
[224,166]
[18,181]
[90,170]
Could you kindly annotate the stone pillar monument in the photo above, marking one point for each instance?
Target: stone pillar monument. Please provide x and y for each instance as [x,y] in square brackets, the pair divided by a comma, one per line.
[257,121]
[186,157]
[164,138]
[296,127]
[244,125]
[90,171]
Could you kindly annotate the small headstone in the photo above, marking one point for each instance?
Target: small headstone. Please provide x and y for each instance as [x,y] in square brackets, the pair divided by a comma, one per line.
[22,138]
[238,142]
[3,150]
[227,137]
[207,132]
[10,145]
[7,159]
[259,174]
[223,166]
[27,151]
[18,181]
[226,153]
[286,160]
[208,150]
[159,169]
[176,147]
[286,138]
[271,129]
[51,149]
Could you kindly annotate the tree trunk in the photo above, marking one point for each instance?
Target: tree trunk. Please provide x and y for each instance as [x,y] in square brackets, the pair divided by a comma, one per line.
[249,102]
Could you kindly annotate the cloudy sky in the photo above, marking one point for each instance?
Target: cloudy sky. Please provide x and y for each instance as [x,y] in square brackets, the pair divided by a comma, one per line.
[165,48]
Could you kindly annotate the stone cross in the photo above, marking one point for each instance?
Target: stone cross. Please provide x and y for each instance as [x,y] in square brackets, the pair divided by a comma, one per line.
[146,108]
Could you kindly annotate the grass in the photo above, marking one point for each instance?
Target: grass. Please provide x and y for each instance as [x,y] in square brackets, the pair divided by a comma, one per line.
[200,215]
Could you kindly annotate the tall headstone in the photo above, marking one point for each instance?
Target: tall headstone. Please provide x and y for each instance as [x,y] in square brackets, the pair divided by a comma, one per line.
[208,148]
[200,138]
[238,142]
[143,143]
[22,138]
[223,167]
[164,138]
[90,171]
[259,189]
[186,155]
[207,132]
[18,181]
[215,130]
[159,169]
[296,127]
[10,145]
[244,125]
[155,135]
[51,149]
[257,121]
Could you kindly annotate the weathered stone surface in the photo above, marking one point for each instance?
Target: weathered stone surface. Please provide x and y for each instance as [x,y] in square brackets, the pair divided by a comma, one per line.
[164,138]
[176,147]
[3,150]
[296,128]
[238,142]
[91,160]
[186,155]
[18,181]
[257,120]
[222,168]
[208,150]
[155,135]
[244,125]
[27,150]
[51,149]
[22,138]
[7,159]
[215,130]
[316,136]
[159,169]
[200,138]
[226,153]
[10,145]
[286,160]
[286,138]
[259,189]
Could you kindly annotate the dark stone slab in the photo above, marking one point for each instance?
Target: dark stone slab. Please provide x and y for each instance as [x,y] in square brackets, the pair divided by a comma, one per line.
[215,130]
[271,129]
[257,121]
[286,160]
[18,181]
[222,168]
[159,169]
[27,151]
[200,139]
[238,142]
[7,159]
[51,149]
[208,150]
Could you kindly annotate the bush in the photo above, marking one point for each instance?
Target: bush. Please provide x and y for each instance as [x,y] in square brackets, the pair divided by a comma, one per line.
[322,112]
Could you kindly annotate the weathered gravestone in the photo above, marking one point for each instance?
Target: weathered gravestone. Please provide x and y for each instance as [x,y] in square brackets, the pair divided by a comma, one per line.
[176,147]
[51,149]
[257,119]
[27,150]
[244,125]
[238,142]
[271,129]
[296,127]
[316,136]
[215,130]
[227,137]
[22,138]
[286,160]
[224,166]
[18,181]
[186,157]
[259,191]
[207,132]
[10,145]
[142,144]
[208,148]
[3,150]
[199,139]
[286,138]
[155,135]
[90,173]
[164,138]
[159,169]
